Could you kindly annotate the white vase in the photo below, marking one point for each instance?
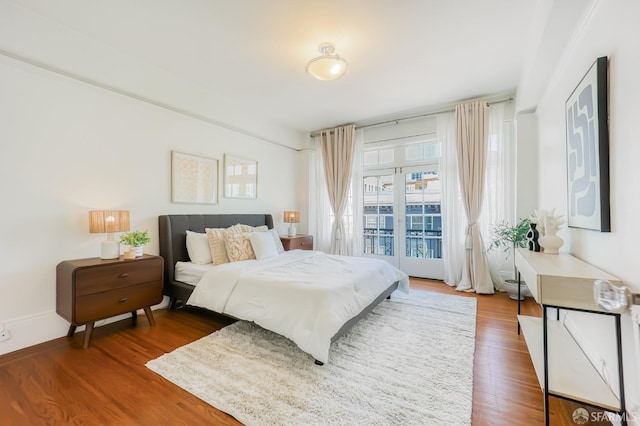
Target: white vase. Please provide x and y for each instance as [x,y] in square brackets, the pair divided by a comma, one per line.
[550,241]
[138,251]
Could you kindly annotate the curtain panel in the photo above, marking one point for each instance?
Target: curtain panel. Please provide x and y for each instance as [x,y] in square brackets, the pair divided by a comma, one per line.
[471,147]
[340,154]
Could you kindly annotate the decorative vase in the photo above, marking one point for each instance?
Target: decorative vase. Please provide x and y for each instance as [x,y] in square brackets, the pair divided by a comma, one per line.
[532,237]
[550,241]
[138,251]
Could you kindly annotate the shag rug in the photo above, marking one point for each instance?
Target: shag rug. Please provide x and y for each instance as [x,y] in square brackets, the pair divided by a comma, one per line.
[408,362]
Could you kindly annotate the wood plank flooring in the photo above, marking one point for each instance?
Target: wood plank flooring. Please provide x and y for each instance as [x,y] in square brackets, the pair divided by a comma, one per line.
[58,382]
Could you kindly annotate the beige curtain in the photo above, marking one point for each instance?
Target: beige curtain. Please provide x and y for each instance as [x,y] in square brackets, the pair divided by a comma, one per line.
[337,154]
[471,144]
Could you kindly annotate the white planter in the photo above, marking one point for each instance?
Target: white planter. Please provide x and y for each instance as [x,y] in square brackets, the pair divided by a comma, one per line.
[138,251]
[511,286]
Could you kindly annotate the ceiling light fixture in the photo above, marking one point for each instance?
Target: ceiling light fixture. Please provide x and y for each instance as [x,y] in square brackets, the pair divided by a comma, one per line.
[329,66]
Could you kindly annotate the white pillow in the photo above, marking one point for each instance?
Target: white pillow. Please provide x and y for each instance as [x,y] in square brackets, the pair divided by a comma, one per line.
[198,248]
[277,240]
[263,245]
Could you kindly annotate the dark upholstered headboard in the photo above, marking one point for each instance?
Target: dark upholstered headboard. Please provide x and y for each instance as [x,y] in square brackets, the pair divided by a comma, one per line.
[173,241]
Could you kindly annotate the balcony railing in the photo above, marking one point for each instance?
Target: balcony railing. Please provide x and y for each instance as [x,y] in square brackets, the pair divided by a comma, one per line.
[418,243]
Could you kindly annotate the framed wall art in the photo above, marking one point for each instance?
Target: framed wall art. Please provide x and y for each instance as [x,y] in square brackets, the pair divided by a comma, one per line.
[240,177]
[194,179]
[588,151]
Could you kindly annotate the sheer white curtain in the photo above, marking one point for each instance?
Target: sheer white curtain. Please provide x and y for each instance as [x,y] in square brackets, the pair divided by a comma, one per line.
[339,156]
[499,198]
[452,208]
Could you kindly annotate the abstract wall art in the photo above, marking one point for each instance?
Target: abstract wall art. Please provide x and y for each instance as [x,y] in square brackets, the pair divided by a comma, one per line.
[588,151]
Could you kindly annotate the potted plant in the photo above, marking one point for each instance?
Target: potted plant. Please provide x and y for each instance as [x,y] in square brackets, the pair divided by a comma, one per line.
[509,237]
[135,239]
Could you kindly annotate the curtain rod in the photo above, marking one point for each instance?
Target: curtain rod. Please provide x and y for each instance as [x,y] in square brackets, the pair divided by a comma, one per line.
[411,117]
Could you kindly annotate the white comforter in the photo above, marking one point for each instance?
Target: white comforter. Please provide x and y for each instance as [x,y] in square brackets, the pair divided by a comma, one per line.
[305,296]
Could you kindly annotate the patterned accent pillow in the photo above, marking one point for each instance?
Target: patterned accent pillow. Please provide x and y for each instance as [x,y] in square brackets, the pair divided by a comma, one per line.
[217,246]
[237,244]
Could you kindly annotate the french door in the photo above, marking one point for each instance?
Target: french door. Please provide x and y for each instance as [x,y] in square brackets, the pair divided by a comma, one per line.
[402,219]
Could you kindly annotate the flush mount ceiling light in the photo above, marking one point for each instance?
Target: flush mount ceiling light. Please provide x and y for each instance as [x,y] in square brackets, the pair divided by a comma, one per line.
[329,66]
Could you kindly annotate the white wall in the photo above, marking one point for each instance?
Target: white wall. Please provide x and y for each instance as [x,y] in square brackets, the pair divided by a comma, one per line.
[69,147]
[526,164]
[609,29]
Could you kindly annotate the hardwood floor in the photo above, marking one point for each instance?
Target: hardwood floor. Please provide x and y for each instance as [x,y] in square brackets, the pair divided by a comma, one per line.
[58,382]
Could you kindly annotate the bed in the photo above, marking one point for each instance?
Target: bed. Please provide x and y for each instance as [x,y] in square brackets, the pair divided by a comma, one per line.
[244,287]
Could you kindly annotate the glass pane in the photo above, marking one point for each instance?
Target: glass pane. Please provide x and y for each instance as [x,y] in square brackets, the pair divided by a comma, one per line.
[386,156]
[432,150]
[378,215]
[423,233]
[370,158]
[413,152]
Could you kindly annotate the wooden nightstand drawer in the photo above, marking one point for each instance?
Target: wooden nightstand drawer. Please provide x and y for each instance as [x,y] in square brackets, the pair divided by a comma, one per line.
[301,242]
[118,301]
[117,275]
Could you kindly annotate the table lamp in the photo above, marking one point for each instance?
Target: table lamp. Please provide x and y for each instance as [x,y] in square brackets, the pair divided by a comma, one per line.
[292,217]
[109,221]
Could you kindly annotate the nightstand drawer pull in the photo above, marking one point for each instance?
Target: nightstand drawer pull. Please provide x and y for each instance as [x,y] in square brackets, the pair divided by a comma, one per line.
[125,275]
[124,299]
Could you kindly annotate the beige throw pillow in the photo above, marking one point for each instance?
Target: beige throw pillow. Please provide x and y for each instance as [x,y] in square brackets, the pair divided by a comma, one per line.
[217,246]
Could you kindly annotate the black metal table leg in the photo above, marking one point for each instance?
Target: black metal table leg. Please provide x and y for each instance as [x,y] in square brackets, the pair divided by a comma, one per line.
[545,349]
[623,409]
[519,282]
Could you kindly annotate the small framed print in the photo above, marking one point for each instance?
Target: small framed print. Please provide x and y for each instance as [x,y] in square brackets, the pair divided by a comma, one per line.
[240,177]
[194,179]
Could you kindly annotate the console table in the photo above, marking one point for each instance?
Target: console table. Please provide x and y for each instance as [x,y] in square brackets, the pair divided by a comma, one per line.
[565,282]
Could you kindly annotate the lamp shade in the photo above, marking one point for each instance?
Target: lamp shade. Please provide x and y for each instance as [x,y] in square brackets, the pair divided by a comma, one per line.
[329,66]
[291,217]
[108,221]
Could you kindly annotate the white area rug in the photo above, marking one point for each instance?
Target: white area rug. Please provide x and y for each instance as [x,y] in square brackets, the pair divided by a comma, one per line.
[409,362]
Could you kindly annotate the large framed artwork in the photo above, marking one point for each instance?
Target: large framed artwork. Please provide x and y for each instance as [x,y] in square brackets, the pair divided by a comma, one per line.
[588,151]
[240,177]
[194,179]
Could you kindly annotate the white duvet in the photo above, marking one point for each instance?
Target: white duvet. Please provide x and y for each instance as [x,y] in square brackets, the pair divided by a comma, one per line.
[303,295]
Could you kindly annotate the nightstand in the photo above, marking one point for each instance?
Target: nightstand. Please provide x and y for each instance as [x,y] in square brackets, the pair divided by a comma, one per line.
[88,290]
[300,241]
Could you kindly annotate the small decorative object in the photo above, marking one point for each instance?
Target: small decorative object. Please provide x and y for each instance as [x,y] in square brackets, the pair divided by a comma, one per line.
[532,237]
[194,179]
[136,239]
[588,151]
[510,237]
[129,254]
[550,241]
[291,217]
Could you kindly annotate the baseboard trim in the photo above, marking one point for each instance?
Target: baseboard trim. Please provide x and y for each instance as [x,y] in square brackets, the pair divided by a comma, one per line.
[39,328]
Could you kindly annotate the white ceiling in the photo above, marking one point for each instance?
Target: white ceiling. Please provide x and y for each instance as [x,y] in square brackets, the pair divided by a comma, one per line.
[244,60]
